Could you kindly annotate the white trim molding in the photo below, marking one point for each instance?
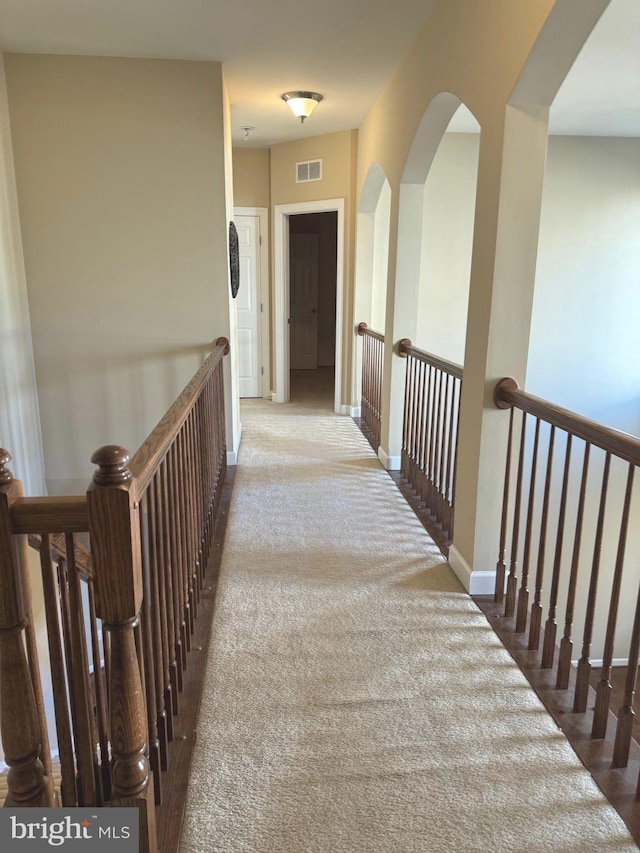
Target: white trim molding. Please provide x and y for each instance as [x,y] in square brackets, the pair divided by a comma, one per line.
[281,214]
[356,412]
[475,583]
[391,463]
[232,455]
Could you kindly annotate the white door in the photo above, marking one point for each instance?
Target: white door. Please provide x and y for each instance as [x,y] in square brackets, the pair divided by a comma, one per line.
[303,310]
[248,307]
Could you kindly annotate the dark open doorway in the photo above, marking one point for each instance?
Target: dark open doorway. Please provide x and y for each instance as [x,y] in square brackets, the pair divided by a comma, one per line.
[312,308]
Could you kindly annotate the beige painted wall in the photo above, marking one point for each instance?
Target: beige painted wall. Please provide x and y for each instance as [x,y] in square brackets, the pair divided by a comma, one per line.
[121,186]
[251,177]
[338,152]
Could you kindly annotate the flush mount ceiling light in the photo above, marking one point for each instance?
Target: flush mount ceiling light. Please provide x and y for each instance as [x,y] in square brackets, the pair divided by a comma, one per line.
[302,103]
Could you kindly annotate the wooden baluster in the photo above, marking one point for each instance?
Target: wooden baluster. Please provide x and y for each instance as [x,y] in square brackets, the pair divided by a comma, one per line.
[114,525]
[148,655]
[405,415]
[430,424]
[512,581]
[455,463]
[191,584]
[523,595]
[175,646]
[58,677]
[549,644]
[535,622]
[584,664]
[100,695]
[418,433]
[435,465]
[19,723]
[501,567]
[450,460]
[85,735]
[160,631]
[442,490]
[566,644]
[194,564]
[424,400]
[603,691]
[626,714]
[180,570]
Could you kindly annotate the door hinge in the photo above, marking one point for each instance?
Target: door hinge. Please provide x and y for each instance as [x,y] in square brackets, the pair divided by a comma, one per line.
[261,309]
[262,370]
[260,239]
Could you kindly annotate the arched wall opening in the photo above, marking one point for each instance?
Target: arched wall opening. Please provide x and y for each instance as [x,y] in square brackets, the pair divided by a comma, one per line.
[497,341]
[448,215]
[372,263]
[435,238]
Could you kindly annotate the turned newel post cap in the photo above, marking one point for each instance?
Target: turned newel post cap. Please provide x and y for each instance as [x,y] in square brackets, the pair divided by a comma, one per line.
[362,327]
[112,461]
[5,474]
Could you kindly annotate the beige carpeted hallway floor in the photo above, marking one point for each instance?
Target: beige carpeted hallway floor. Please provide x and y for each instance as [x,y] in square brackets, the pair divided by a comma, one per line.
[356,700]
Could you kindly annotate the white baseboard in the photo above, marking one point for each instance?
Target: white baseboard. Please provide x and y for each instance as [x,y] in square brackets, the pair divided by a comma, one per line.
[232,455]
[345,410]
[597,662]
[356,412]
[475,583]
[391,463]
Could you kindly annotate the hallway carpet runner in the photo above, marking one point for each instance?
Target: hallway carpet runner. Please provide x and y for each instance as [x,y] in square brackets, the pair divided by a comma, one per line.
[356,700]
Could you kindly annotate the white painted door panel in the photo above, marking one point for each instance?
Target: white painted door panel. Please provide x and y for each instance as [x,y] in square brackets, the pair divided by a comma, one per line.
[248,307]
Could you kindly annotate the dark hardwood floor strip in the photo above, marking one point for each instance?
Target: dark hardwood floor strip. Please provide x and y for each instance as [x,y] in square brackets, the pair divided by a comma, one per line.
[174,783]
[618,785]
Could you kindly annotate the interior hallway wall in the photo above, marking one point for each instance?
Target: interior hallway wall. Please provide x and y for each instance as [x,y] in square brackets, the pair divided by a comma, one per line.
[121,184]
[478,53]
[19,414]
[338,152]
[447,240]
[587,281]
[251,177]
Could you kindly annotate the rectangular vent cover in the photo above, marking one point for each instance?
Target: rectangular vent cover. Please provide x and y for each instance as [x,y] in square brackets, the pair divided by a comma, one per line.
[308,170]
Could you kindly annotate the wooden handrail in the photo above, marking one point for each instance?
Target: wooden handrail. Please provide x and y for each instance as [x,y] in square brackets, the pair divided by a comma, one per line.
[507,394]
[406,348]
[363,330]
[152,451]
[50,515]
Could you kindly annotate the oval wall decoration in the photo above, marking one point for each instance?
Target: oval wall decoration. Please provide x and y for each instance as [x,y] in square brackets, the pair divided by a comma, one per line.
[234,259]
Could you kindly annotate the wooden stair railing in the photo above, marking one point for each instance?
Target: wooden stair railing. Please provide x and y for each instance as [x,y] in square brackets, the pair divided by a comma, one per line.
[430,432]
[371,397]
[119,619]
[555,566]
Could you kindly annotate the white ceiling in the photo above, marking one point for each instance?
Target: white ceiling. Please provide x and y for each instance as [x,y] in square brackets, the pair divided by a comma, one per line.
[344,49]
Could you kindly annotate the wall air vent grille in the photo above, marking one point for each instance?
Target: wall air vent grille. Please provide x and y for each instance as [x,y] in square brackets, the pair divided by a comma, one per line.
[308,170]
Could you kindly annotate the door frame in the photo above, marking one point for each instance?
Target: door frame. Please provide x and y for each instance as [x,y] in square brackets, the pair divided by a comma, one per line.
[281,214]
[264,332]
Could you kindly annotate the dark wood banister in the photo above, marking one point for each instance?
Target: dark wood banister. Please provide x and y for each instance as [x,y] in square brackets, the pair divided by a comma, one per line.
[146,459]
[507,394]
[406,348]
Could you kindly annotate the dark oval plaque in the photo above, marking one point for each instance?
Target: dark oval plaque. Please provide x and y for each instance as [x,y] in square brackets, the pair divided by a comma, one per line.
[234,259]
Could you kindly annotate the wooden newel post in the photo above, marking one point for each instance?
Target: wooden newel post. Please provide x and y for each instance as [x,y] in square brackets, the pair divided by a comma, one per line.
[19,725]
[114,527]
